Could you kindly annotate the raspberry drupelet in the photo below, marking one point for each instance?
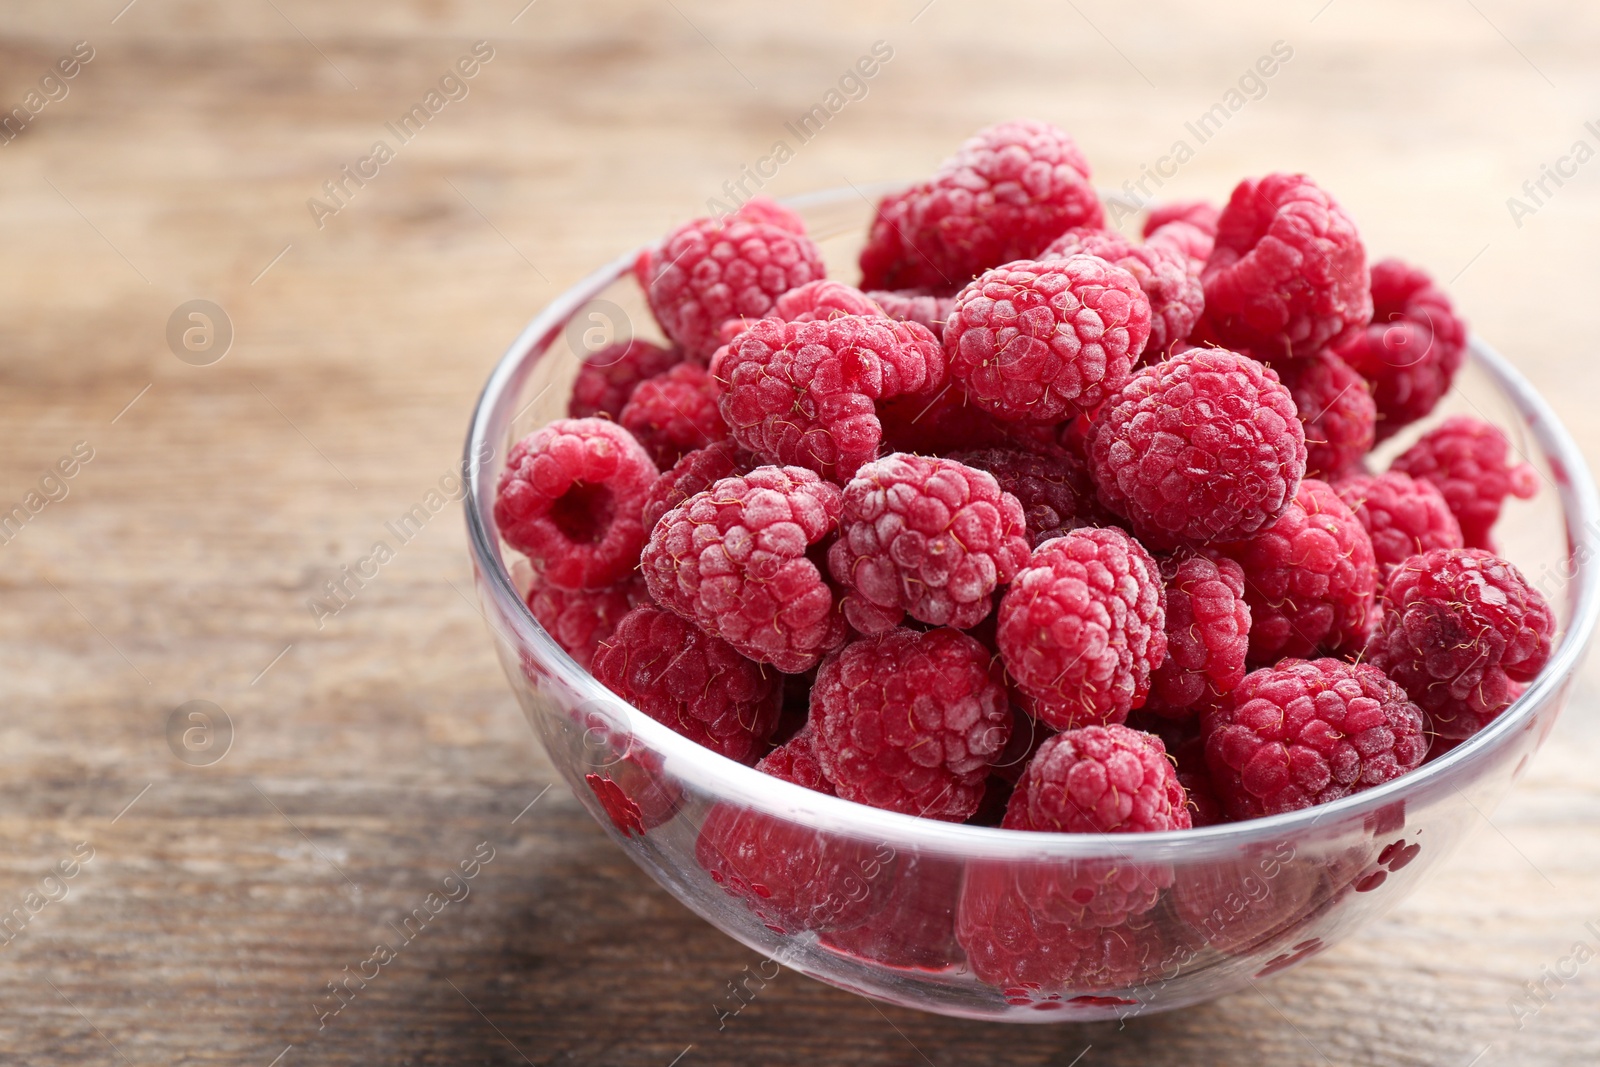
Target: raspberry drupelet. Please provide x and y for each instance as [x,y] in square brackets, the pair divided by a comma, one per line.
[1051,484]
[608,376]
[1411,350]
[1288,273]
[1468,460]
[1208,633]
[674,413]
[737,560]
[910,721]
[694,473]
[1310,578]
[570,499]
[796,761]
[804,393]
[1046,340]
[1005,194]
[692,682]
[1082,626]
[580,619]
[1164,272]
[1461,629]
[1403,516]
[1309,731]
[1336,410]
[926,536]
[1204,446]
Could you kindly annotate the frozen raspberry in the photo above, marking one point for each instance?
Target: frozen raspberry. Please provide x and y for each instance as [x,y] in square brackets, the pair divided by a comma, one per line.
[692,474]
[813,301]
[1309,731]
[709,271]
[1404,517]
[1205,446]
[765,209]
[910,721]
[803,392]
[608,376]
[1310,578]
[927,536]
[915,305]
[1460,629]
[1044,341]
[570,499]
[1004,195]
[581,619]
[1411,350]
[1201,214]
[1288,274]
[1336,410]
[1081,627]
[693,682]
[1208,631]
[674,413]
[1051,484]
[796,761]
[1163,271]
[1100,780]
[1468,460]
[792,876]
[737,560]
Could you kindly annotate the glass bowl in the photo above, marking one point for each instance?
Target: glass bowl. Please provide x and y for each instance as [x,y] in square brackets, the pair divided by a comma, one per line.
[876,902]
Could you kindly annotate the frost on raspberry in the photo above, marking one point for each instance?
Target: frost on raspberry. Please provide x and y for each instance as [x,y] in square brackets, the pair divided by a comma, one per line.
[608,376]
[1461,630]
[1204,446]
[1100,780]
[1082,626]
[1164,272]
[692,682]
[1468,460]
[1411,350]
[926,536]
[1307,732]
[911,721]
[1004,195]
[796,761]
[1310,578]
[570,499]
[1208,633]
[1403,516]
[1288,274]
[739,560]
[1046,340]
[805,393]
[1336,410]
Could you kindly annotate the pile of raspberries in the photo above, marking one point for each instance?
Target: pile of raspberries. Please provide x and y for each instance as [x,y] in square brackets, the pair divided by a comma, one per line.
[1039,526]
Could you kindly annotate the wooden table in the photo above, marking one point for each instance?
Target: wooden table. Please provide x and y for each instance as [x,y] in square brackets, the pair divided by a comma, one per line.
[373,753]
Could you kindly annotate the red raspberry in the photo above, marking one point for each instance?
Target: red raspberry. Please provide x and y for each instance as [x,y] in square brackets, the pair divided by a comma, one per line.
[1467,460]
[1309,731]
[915,305]
[811,302]
[1052,485]
[1208,631]
[1081,627]
[693,682]
[802,392]
[1336,410]
[1239,906]
[1201,214]
[581,619]
[674,413]
[1004,195]
[1044,341]
[1310,578]
[927,536]
[570,498]
[1205,446]
[910,721]
[1100,780]
[1413,347]
[1460,628]
[737,560]
[608,376]
[796,761]
[1162,270]
[709,271]
[692,474]
[1404,517]
[915,928]
[1288,274]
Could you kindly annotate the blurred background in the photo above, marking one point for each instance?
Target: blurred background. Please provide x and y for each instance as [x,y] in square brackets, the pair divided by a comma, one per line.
[250,794]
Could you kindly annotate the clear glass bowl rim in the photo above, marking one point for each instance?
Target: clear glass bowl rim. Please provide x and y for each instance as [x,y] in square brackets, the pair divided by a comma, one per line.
[727,781]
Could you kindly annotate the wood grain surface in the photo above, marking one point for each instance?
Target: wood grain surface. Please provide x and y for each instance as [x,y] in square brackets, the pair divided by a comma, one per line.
[373,754]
